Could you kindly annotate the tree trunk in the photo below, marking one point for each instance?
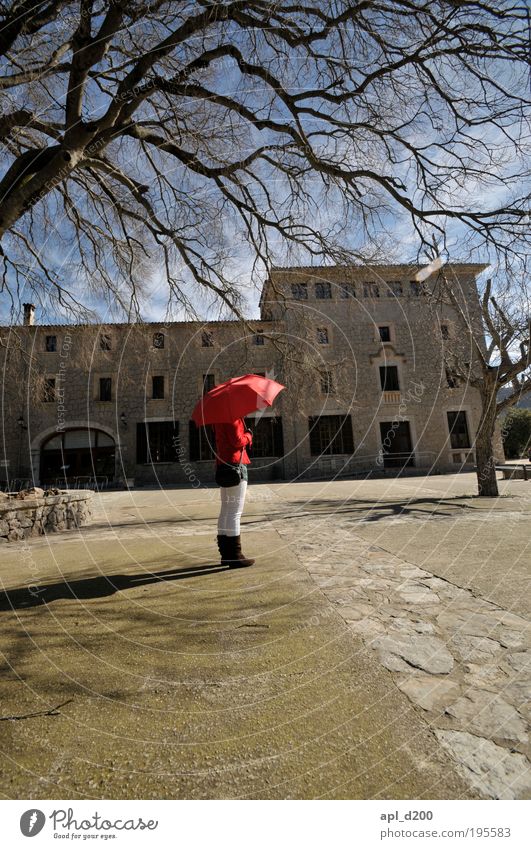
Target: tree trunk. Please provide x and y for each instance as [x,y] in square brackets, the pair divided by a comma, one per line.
[485,463]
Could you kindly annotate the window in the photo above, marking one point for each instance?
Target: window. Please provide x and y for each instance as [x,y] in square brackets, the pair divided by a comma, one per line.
[451,380]
[415,288]
[268,438]
[158,340]
[157,442]
[105,389]
[458,427]
[394,289]
[207,339]
[50,344]
[385,333]
[209,382]
[371,290]
[347,290]
[389,378]
[202,442]
[322,335]
[327,382]
[258,339]
[157,386]
[323,290]
[48,390]
[105,342]
[299,291]
[330,435]
[445,332]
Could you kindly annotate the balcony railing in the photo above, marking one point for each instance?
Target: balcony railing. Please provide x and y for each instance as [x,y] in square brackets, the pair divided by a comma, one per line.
[391,397]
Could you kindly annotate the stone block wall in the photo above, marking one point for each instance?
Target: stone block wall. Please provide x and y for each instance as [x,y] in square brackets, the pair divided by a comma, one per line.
[36,512]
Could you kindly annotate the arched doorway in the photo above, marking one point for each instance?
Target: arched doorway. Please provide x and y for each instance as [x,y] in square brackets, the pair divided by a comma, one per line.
[77,454]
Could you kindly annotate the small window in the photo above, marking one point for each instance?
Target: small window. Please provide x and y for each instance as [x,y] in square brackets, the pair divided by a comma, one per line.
[385,333]
[105,342]
[158,340]
[323,290]
[51,344]
[389,379]
[105,389]
[458,427]
[347,290]
[371,290]
[299,291]
[158,386]
[327,382]
[208,383]
[207,339]
[48,394]
[451,380]
[258,339]
[395,289]
[415,288]
[322,335]
[445,332]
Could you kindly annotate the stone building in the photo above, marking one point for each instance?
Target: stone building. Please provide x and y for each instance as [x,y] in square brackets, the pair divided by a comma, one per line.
[360,350]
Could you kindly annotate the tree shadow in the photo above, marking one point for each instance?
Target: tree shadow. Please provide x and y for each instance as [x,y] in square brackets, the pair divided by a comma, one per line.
[100,586]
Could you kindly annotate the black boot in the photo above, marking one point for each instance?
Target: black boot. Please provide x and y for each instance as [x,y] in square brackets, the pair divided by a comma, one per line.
[223,549]
[236,558]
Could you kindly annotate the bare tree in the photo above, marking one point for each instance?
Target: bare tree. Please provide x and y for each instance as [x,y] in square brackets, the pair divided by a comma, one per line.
[190,136]
[492,350]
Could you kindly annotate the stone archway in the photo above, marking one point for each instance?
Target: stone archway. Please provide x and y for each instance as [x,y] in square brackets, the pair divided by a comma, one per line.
[79,451]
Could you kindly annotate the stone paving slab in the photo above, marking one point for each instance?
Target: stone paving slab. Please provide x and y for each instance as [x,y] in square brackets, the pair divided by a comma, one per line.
[464,661]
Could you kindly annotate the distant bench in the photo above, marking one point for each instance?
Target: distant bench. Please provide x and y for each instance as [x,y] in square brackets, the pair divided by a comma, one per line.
[515,470]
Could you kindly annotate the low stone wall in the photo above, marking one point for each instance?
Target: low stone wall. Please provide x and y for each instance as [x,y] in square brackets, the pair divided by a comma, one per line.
[35,512]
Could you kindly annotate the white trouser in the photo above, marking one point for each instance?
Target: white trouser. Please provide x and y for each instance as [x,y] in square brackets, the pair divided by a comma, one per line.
[232,501]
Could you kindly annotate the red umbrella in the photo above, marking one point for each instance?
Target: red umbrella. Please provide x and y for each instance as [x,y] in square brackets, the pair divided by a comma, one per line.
[235,399]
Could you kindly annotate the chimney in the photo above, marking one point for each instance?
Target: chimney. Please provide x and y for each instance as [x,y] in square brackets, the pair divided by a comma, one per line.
[29,314]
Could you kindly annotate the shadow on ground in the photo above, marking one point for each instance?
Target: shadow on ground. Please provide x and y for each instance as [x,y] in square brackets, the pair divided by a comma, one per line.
[96,587]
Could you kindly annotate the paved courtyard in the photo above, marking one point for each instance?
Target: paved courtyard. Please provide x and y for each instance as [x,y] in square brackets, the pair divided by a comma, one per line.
[379,648]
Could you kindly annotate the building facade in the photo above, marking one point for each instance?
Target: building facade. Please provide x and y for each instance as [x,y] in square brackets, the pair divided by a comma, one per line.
[361,351]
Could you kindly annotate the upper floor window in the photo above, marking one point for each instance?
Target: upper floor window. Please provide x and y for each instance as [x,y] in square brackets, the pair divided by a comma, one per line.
[157,386]
[395,289]
[445,331]
[451,380]
[458,427]
[258,339]
[105,389]
[327,382]
[48,390]
[105,342]
[158,340]
[347,290]
[299,291]
[385,333]
[389,379]
[208,383]
[323,290]
[207,339]
[322,335]
[415,288]
[371,290]
[50,344]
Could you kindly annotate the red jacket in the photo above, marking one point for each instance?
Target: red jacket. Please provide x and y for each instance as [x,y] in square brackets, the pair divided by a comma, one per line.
[230,439]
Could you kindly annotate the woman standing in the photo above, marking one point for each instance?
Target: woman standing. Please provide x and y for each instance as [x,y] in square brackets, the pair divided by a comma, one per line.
[232,440]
